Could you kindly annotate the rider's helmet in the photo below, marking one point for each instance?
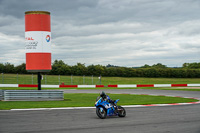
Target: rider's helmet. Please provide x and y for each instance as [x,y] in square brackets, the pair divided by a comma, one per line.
[103,94]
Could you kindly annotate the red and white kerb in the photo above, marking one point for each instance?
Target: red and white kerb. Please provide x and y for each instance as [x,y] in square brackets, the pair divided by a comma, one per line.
[38,41]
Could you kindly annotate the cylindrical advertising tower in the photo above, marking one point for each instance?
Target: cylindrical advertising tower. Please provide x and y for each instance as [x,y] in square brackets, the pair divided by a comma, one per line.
[38,41]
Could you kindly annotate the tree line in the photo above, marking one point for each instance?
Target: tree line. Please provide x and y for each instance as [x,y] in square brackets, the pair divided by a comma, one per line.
[188,70]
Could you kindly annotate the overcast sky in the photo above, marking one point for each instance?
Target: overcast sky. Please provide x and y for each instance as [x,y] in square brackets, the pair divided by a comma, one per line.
[119,32]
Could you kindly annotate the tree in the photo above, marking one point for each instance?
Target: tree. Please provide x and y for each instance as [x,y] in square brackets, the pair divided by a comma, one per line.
[185,65]
[1,67]
[111,71]
[21,69]
[59,67]
[91,70]
[145,66]
[79,69]
[100,70]
[194,65]
[159,65]
[9,68]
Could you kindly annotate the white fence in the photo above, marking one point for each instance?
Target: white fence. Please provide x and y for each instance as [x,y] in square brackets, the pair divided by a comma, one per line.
[49,79]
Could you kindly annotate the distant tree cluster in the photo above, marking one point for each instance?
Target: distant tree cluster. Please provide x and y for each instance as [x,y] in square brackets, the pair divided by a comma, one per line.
[191,65]
[188,70]
[159,65]
[10,68]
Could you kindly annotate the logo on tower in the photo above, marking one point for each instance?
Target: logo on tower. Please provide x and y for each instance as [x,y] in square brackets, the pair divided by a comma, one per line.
[48,38]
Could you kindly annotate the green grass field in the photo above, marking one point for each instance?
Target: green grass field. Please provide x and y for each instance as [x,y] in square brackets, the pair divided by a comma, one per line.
[88,100]
[89,80]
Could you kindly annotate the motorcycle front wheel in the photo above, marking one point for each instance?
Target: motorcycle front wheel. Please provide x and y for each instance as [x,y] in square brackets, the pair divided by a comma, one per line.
[121,111]
[101,112]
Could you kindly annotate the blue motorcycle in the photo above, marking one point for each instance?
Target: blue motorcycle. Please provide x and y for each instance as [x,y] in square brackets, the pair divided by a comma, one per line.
[104,109]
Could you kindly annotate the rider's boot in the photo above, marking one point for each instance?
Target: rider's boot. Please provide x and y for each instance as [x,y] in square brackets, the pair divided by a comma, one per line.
[116,109]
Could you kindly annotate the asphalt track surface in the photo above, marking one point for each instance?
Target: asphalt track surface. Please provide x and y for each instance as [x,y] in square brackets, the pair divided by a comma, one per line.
[163,119]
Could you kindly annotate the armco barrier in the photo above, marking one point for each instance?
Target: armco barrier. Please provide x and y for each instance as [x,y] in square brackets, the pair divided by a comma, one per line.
[32,95]
[98,86]
[1,95]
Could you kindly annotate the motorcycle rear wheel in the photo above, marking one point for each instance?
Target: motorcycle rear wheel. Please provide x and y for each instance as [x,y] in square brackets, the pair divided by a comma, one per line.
[121,111]
[101,112]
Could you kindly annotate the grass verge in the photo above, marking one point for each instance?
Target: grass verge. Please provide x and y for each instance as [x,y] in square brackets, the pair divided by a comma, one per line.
[88,100]
[68,80]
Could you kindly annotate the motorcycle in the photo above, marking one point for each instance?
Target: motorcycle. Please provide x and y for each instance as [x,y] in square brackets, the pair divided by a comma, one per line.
[104,109]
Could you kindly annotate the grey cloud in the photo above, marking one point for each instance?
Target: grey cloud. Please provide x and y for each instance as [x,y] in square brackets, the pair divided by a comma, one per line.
[17,8]
[124,33]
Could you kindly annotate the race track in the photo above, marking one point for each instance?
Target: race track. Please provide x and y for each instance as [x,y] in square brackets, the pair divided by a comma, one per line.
[168,119]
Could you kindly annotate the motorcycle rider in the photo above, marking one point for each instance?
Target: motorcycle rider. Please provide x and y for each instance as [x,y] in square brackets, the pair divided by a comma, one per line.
[108,99]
